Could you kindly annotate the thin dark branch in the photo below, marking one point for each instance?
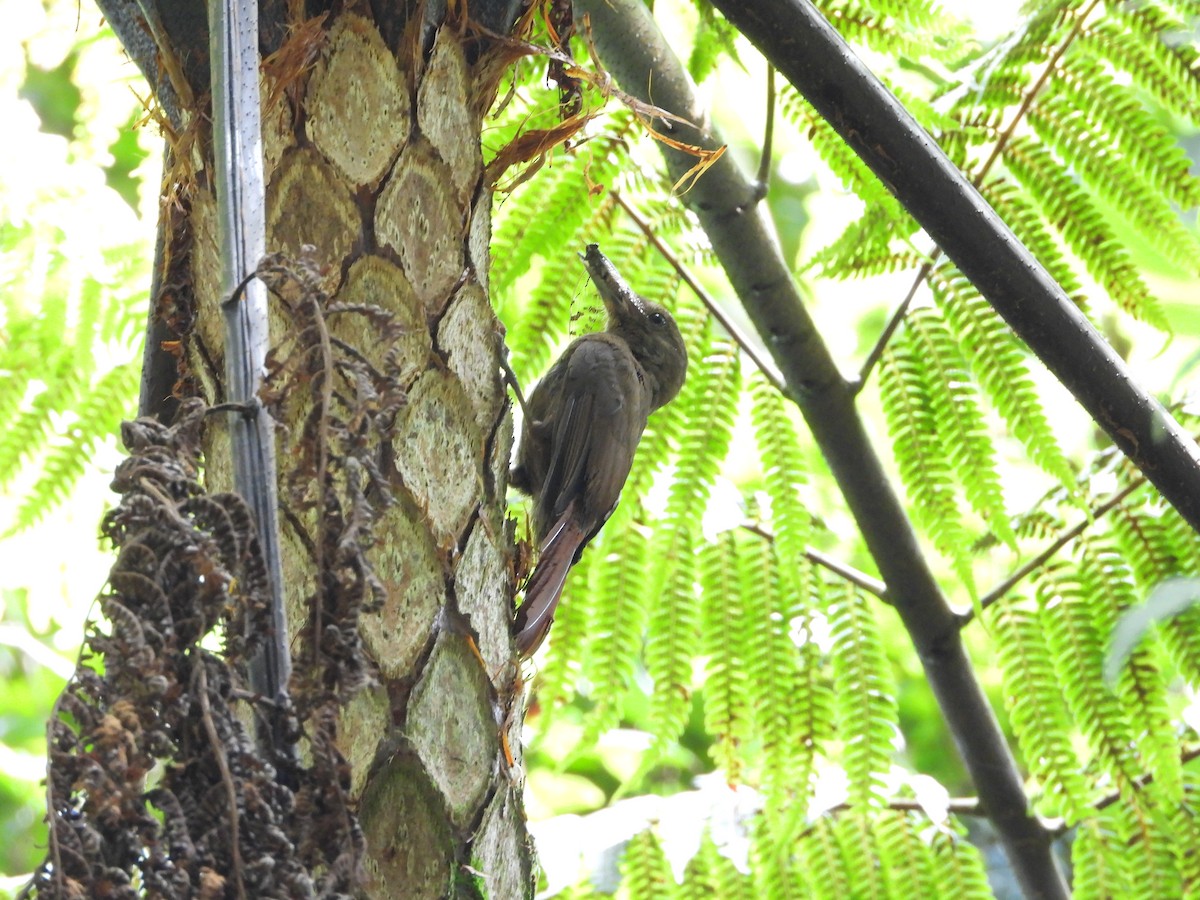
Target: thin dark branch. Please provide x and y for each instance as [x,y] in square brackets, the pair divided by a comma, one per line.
[960,806]
[1022,572]
[769,371]
[837,567]
[241,206]
[1147,779]
[820,65]
[636,53]
[763,180]
[894,322]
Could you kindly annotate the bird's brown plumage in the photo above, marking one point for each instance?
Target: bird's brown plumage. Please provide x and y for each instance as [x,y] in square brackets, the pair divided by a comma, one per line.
[582,427]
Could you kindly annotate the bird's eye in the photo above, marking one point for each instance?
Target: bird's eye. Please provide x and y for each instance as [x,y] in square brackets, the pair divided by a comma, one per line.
[658,318]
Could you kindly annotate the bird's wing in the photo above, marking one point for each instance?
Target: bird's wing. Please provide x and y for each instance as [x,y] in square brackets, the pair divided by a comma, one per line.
[603,413]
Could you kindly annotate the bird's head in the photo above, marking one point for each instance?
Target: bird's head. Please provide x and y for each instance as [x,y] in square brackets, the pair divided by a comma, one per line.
[646,327]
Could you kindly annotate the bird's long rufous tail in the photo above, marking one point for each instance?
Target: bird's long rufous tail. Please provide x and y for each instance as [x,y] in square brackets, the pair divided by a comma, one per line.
[545,585]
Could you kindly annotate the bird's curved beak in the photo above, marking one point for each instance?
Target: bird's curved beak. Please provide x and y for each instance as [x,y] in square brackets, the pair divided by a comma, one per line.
[619,298]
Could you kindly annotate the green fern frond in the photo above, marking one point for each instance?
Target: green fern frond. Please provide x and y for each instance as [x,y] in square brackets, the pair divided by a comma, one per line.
[906,857]
[776,869]
[515,231]
[1142,41]
[1098,858]
[1185,827]
[1114,177]
[860,850]
[1070,210]
[644,869]
[1156,155]
[713,39]
[707,407]
[558,677]
[1023,217]
[546,318]
[1157,545]
[1068,614]
[784,473]
[710,875]
[1181,634]
[774,684]
[535,217]
[843,161]
[900,29]
[999,363]
[864,249]
[821,859]
[30,430]
[959,866]
[924,468]
[1149,857]
[1033,697]
[620,612]
[959,418]
[1146,542]
[100,409]
[864,702]
[726,701]
[1001,77]
[1142,690]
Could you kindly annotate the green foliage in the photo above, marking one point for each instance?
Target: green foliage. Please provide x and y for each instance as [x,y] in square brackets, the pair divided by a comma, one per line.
[696,588]
[925,465]
[68,359]
[706,407]
[697,617]
[1034,700]
[74,270]
[645,869]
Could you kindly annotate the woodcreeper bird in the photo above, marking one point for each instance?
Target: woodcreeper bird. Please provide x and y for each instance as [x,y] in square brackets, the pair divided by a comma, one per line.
[582,426]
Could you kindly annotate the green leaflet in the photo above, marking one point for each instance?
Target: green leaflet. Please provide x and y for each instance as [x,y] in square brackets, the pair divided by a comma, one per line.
[1135,41]
[619,612]
[829,875]
[1036,708]
[1109,173]
[998,362]
[864,701]
[1099,859]
[959,865]
[726,695]
[925,468]
[1141,687]
[644,869]
[843,161]
[906,855]
[958,418]
[710,875]
[1068,613]
[706,408]
[67,371]
[1075,215]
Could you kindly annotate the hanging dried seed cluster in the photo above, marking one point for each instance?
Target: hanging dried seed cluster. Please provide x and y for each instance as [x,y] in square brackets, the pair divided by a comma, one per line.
[155,787]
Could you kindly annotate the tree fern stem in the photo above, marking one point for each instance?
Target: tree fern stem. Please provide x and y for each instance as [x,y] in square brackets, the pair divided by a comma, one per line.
[793,36]
[638,56]
[241,212]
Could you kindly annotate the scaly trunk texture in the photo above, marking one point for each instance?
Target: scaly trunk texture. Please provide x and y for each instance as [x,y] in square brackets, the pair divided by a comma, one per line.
[371,146]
